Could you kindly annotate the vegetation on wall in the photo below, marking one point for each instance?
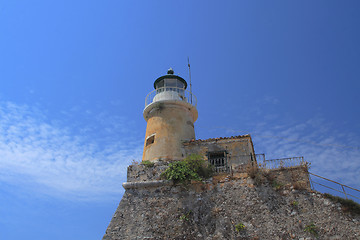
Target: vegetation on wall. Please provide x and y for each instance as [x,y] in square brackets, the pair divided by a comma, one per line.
[348,205]
[186,216]
[147,163]
[134,162]
[256,173]
[261,176]
[300,185]
[193,167]
[277,185]
[312,229]
[239,227]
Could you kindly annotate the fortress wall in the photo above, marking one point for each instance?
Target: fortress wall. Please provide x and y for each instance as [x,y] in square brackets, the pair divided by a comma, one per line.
[212,209]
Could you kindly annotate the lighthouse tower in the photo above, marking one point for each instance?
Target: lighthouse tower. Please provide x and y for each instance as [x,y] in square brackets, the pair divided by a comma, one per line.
[170,112]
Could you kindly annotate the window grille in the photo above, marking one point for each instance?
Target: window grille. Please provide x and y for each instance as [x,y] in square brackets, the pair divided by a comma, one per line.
[219,161]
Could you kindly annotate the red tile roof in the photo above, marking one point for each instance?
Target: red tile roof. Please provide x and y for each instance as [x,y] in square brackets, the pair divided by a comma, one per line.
[217,139]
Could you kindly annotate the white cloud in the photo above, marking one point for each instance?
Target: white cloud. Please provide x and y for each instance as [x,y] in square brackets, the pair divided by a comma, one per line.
[332,154]
[49,159]
[46,158]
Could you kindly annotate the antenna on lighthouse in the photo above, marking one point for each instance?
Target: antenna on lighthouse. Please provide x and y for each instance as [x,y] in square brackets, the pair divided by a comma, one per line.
[190,81]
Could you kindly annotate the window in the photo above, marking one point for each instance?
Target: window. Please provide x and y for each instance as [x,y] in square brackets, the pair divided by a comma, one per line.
[218,160]
[150,140]
[170,82]
[160,84]
[180,84]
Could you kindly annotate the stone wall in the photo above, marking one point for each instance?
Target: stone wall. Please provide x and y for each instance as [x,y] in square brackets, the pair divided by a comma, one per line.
[143,172]
[240,148]
[297,177]
[156,209]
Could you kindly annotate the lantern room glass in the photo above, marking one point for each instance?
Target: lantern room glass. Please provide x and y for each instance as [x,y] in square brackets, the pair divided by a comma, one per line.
[170,84]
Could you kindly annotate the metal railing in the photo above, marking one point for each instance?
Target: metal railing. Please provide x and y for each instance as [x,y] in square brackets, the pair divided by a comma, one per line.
[222,169]
[343,187]
[241,161]
[170,93]
[283,163]
[260,157]
[347,191]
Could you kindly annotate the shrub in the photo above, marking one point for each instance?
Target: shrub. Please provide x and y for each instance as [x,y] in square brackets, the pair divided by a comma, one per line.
[239,227]
[348,204]
[251,170]
[294,203]
[180,171]
[259,178]
[193,167]
[147,163]
[256,173]
[185,216]
[270,176]
[311,228]
[277,185]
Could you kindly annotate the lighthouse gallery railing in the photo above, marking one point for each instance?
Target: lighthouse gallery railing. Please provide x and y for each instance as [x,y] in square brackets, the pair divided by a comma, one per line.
[170,93]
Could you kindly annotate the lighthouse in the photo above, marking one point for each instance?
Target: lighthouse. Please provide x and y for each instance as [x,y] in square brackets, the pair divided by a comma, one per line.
[170,112]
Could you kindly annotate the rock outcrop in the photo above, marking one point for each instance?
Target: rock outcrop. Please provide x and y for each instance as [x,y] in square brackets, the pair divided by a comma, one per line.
[225,207]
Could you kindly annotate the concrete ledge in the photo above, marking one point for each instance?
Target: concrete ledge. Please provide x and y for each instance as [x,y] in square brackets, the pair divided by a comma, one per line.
[147,184]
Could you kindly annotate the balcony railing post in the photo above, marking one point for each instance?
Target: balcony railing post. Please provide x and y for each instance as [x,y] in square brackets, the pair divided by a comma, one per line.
[342,186]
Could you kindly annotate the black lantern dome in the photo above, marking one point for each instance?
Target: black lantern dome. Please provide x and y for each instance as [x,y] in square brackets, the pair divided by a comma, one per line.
[170,80]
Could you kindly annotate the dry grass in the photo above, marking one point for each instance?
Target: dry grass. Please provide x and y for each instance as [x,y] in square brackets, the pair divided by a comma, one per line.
[216,210]
[348,205]
[134,162]
[256,173]
[252,171]
[300,185]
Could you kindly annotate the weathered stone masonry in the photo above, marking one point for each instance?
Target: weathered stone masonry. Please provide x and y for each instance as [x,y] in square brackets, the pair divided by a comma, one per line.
[157,209]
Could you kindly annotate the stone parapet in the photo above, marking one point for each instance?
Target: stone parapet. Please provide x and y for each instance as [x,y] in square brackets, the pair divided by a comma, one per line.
[147,184]
[146,172]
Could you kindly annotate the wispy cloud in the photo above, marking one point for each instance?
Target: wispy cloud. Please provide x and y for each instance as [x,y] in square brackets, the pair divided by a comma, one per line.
[332,154]
[52,160]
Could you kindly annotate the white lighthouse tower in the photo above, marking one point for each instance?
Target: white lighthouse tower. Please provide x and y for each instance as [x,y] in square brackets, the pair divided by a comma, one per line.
[170,112]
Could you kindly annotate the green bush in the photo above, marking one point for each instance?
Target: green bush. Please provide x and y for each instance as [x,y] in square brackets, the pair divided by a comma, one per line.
[147,163]
[193,167]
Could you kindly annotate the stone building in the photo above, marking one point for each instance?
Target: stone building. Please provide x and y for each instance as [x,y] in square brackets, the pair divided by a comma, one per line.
[224,153]
[170,112]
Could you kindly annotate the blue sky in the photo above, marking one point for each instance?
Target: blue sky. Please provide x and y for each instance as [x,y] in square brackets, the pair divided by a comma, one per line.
[74,76]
